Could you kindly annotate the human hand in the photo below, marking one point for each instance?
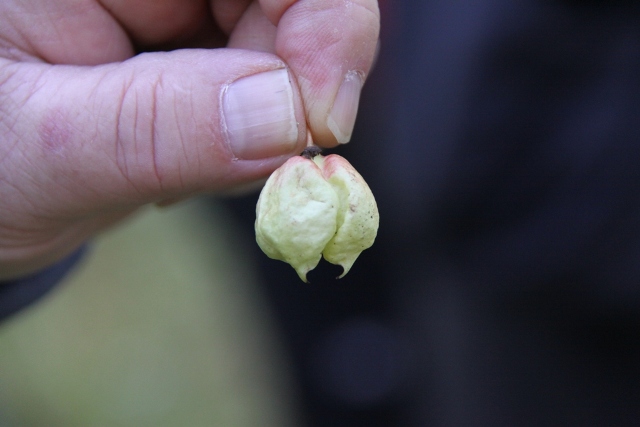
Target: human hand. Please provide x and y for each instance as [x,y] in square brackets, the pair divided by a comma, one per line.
[91,129]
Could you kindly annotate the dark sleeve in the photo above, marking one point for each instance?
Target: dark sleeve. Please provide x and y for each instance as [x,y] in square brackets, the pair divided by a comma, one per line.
[19,293]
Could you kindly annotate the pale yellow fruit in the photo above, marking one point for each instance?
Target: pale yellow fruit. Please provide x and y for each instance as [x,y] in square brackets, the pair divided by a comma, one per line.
[316,207]
[358,218]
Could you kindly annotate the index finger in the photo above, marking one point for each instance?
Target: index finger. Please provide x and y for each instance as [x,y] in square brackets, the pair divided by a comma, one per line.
[329,46]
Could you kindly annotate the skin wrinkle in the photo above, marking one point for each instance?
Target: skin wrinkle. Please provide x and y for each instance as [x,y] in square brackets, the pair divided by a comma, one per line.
[8,186]
[10,147]
[181,138]
[95,96]
[222,119]
[29,47]
[157,86]
[10,137]
[8,48]
[69,186]
[33,199]
[57,129]
[35,85]
[9,91]
[59,36]
[8,120]
[43,240]
[194,123]
[31,31]
[58,44]
[26,205]
[54,129]
[23,44]
[7,72]
[121,153]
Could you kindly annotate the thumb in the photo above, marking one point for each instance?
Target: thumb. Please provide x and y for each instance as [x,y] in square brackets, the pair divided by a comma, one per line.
[158,126]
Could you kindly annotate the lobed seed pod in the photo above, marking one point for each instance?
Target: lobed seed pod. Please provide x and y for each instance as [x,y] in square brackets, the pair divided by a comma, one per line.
[314,206]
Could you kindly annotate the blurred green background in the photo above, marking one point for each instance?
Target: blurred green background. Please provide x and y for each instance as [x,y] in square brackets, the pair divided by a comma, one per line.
[162,324]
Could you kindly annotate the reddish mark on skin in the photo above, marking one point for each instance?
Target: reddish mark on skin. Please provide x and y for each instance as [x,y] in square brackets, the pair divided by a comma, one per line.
[54,131]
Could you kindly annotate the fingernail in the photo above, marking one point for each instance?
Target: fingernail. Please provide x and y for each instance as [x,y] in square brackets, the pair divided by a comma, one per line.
[259,115]
[342,117]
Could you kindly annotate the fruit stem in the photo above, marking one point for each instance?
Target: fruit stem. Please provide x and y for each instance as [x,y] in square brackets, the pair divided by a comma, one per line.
[311,150]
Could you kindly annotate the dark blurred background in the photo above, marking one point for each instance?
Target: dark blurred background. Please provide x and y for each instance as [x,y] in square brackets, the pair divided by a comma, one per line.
[502,142]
